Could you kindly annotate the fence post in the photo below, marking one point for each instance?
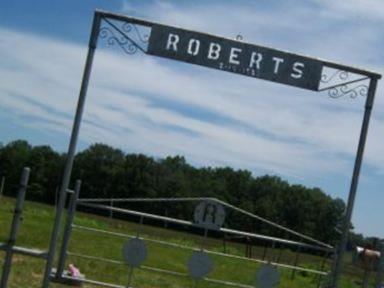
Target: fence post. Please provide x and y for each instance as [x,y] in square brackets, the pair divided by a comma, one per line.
[265,251]
[111,211]
[322,269]
[379,277]
[296,263]
[366,278]
[15,226]
[68,229]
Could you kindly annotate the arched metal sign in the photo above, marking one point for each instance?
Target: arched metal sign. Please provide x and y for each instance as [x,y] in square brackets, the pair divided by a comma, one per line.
[234,56]
[227,55]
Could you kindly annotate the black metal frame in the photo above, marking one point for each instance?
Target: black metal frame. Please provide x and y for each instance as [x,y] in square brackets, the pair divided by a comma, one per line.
[116,29]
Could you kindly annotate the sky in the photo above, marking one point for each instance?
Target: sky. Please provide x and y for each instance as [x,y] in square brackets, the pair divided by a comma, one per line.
[145,104]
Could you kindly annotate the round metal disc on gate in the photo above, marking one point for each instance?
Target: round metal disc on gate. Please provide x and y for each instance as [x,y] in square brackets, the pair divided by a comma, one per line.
[135,252]
[199,265]
[267,277]
[209,215]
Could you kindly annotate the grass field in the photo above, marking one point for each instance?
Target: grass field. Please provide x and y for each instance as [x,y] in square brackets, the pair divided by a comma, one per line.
[35,232]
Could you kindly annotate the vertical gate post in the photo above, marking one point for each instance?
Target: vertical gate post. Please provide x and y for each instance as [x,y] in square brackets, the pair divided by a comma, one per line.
[15,226]
[72,148]
[354,183]
[68,229]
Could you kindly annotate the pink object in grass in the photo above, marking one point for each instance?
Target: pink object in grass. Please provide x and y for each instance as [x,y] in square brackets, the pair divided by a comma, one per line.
[73,271]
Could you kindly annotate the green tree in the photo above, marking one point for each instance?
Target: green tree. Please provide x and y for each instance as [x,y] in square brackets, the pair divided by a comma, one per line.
[46,166]
[98,167]
[13,157]
[107,172]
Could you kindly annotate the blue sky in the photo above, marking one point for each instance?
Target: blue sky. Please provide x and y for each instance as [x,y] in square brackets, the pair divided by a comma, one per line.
[145,104]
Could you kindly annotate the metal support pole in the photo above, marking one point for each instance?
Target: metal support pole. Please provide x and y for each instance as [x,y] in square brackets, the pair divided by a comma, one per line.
[293,275]
[111,211]
[322,269]
[72,148]
[68,229]
[280,254]
[140,227]
[366,278]
[56,196]
[265,251]
[130,274]
[251,250]
[380,268]
[354,183]
[2,187]
[15,227]
[166,222]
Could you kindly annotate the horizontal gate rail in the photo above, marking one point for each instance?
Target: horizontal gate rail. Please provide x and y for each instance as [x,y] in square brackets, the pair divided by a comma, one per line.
[93,282]
[189,223]
[193,199]
[25,251]
[130,236]
[148,268]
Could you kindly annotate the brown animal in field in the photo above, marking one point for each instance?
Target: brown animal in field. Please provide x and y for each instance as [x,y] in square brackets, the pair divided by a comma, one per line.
[367,258]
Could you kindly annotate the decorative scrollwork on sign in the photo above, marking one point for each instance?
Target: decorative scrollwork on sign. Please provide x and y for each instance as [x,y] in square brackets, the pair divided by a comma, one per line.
[129,27]
[128,37]
[239,37]
[112,39]
[342,83]
[346,90]
[338,75]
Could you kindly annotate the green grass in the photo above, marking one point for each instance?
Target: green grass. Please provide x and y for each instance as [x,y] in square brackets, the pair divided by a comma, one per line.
[35,233]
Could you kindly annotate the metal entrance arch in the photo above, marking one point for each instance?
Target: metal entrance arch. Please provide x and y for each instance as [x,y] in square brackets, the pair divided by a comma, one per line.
[304,72]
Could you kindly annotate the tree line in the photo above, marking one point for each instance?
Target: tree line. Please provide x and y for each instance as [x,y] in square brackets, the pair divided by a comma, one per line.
[107,172]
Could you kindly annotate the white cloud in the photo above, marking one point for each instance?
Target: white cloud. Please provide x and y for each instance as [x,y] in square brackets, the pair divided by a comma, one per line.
[292,142]
[343,31]
[363,9]
[318,28]
[148,105]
